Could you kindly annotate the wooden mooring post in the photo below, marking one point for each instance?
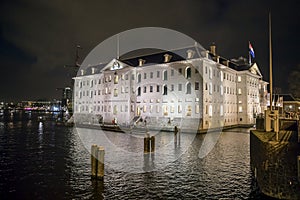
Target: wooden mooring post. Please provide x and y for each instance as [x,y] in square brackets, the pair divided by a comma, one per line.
[149,143]
[97,161]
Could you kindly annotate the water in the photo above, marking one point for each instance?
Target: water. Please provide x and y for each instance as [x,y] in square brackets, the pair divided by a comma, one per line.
[44,161]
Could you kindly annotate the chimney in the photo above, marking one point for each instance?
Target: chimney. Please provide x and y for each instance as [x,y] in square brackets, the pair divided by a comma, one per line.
[218,59]
[93,70]
[141,62]
[213,49]
[167,58]
[82,72]
[206,54]
[190,54]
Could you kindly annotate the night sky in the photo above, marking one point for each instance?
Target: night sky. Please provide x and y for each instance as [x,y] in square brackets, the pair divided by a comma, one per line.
[37,38]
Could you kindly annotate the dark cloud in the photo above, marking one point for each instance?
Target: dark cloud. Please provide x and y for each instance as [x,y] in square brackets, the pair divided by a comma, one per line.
[39,37]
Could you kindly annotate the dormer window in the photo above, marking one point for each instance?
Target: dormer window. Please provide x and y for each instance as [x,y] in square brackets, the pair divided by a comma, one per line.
[167,57]
[190,54]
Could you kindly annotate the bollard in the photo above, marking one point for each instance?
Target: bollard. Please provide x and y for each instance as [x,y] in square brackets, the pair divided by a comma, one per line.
[94,160]
[146,144]
[152,143]
[100,162]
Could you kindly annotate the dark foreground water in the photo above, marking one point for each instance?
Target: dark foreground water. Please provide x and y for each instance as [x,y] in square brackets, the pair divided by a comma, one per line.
[45,161]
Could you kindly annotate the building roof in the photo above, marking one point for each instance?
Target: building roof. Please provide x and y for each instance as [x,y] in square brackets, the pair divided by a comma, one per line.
[286,97]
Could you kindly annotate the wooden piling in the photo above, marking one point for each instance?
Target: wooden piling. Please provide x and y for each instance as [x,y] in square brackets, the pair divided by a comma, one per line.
[152,143]
[146,144]
[100,162]
[94,160]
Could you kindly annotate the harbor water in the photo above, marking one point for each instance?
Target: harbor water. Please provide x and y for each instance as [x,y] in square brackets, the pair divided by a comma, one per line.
[40,160]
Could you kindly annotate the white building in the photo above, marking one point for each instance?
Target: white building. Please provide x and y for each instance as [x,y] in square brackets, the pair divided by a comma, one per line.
[191,88]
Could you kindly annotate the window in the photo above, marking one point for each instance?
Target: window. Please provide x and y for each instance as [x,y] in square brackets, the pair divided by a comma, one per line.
[165,92]
[221,110]
[197,109]
[240,109]
[206,86]
[179,87]
[180,70]
[210,88]
[132,76]
[188,88]
[145,89]
[205,69]
[157,74]
[145,75]
[189,111]
[239,91]
[151,74]
[221,76]
[151,88]
[179,109]
[115,109]
[172,72]
[239,78]
[209,73]
[157,88]
[188,73]
[126,76]
[122,89]
[210,110]
[165,77]
[144,108]
[172,108]
[172,87]
[116,79]
[139,91]
[139,77]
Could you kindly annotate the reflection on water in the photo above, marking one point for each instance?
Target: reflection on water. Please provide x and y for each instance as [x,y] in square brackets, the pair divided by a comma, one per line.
[43,161]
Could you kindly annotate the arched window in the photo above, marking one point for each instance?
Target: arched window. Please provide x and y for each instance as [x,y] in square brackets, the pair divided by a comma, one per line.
[188,88]
[165,92]
[188,73]
[139,91]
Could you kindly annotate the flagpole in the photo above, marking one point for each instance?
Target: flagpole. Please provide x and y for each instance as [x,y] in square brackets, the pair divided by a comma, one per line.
[270,62]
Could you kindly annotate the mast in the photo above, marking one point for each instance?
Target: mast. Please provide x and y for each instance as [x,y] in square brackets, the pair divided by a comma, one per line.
[270,63]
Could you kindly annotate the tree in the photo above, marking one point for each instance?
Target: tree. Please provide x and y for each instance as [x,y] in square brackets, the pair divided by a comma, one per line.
[294,82]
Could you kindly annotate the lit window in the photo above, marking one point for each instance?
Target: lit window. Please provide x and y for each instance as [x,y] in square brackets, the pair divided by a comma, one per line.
[210,110]
[115,109]
[221,110]
[116,92]
[239,78]
[165,109]
[116,79]
[239,91]
[189,111]
[179,109]
[221,76]
[144,108]
[240,109]
[197,109]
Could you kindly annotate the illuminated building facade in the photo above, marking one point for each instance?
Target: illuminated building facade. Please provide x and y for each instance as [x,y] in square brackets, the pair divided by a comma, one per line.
[191,88]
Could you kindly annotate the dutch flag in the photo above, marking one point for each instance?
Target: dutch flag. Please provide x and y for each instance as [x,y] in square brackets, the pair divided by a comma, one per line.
[251,50]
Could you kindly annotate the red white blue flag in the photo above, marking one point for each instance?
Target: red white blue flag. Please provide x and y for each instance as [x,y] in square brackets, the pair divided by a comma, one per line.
[251,50]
